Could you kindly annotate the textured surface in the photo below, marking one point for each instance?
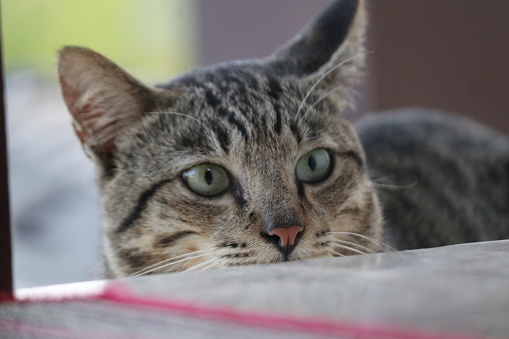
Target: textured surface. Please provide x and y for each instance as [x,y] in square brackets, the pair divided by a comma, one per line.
[449,292]
[458,288]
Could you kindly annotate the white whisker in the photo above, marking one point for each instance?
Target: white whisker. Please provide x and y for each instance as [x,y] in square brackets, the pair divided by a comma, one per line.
[321,98]
[377,242]
[172,258]
[359,246]
[206,262]
[164,263]
[172,263]
[323,77]
[395,187]
[339,254]
[212,265]
[382,178]
[349,248]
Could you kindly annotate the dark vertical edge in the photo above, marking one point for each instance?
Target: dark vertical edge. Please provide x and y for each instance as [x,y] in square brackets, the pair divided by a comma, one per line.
[6,279]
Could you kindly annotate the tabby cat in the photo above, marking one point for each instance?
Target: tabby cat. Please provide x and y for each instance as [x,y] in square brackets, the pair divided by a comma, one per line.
[251,162]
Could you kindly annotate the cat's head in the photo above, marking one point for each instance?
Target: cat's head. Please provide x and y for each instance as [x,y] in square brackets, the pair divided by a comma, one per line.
[240,163]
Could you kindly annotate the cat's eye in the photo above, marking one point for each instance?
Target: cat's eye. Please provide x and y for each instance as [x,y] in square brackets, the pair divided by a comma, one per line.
[314,166]
[207,179]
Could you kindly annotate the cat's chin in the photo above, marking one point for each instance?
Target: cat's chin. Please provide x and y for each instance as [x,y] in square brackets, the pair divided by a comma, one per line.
[295,257]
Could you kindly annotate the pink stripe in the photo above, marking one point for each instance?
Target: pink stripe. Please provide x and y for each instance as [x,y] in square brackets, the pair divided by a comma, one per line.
[121,294]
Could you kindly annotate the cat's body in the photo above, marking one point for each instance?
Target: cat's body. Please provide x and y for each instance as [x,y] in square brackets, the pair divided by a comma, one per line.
[442,179]
[241,163]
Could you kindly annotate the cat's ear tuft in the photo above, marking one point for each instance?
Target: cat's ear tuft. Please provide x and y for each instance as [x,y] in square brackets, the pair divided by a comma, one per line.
[335,38]
[102,98]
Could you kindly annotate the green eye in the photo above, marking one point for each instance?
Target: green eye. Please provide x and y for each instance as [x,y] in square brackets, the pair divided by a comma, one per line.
[314,166]
[207,179]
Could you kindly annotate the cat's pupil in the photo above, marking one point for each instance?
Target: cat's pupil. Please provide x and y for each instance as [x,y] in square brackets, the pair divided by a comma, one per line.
[312,163]
[209,177]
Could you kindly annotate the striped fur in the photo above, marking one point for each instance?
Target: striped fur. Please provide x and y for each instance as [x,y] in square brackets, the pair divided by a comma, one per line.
[441,180]
[253,118]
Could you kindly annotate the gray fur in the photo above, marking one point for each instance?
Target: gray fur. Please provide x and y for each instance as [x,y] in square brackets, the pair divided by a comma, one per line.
[442,179]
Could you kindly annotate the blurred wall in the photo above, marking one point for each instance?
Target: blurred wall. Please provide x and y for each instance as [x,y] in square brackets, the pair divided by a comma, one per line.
[152,39]
[450,54]
[239,29]
[56,224]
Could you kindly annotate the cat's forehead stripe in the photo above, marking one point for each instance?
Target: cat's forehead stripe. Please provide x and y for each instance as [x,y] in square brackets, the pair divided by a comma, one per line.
[222,131]
[222,135]
[274,89]
[234,121]
[232,95]
[278,126]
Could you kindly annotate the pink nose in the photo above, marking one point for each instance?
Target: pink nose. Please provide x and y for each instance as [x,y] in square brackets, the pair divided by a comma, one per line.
[287,235]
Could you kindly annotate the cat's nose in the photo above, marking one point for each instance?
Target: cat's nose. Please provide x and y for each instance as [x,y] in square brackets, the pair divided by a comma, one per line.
[287,237]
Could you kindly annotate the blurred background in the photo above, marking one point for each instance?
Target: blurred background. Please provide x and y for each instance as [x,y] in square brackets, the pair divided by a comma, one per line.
[56,224]
[449,55]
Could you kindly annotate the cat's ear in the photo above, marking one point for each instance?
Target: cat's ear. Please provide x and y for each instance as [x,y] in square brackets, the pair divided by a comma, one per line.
[102,98]
[332,44]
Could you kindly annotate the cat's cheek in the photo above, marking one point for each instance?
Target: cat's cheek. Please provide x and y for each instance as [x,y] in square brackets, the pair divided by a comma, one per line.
[364,217]
[345,181]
